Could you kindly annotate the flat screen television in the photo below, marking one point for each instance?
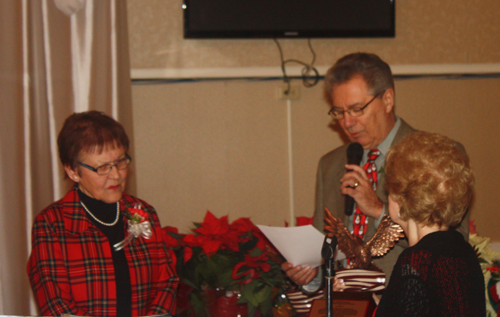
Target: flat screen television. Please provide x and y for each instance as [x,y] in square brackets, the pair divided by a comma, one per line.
[244,19]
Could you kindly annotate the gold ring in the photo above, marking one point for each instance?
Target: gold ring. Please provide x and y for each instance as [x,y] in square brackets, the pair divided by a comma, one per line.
[356,184]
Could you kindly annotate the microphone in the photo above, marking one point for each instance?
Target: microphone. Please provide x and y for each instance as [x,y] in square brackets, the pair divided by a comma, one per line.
[354,156]
[327,253]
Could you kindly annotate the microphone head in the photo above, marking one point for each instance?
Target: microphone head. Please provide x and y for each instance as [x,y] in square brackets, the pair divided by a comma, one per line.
[354,153]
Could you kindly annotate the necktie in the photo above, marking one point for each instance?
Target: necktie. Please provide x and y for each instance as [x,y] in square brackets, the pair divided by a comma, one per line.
[360,220]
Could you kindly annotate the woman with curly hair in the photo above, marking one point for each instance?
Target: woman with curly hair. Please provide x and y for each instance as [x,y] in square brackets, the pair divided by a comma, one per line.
[429,181]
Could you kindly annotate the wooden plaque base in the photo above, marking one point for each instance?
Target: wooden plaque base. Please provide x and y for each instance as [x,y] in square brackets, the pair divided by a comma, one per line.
[348,304]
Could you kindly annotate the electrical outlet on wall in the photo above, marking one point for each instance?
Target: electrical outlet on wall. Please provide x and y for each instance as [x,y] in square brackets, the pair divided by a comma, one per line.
[292,93]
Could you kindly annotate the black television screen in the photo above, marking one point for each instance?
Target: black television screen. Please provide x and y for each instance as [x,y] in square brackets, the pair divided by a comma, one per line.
[288,18]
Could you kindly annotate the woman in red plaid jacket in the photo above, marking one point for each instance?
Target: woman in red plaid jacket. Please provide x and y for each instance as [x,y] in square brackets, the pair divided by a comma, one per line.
[87,258]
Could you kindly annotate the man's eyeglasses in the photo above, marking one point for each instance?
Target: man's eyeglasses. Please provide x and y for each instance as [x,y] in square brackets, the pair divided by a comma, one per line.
[106,168]
[353,112]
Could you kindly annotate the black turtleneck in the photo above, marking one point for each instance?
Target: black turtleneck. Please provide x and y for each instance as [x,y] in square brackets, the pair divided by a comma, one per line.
[107,213]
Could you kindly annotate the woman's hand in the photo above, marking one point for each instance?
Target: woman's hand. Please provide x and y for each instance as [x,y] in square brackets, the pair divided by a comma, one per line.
[338,285]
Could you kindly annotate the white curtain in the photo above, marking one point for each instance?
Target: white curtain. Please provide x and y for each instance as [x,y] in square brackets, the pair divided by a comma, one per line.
[57,57]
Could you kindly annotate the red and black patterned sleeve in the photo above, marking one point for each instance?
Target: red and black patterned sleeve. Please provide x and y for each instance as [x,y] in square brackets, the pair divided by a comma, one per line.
[152,270]
[167,280]
[47,269]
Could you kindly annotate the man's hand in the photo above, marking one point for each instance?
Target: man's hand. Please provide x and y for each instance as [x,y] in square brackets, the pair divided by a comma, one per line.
[298,274]
[363,193]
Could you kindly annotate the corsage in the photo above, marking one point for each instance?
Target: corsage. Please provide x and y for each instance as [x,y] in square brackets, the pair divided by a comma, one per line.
[138,225]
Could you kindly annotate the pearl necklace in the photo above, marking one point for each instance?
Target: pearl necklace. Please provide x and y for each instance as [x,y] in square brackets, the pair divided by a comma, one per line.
[102,222]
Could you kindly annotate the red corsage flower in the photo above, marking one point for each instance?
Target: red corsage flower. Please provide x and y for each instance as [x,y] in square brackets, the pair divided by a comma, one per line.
[137,215]
[138,225]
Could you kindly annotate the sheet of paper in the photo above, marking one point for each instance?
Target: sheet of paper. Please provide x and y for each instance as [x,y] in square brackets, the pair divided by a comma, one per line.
[298,245]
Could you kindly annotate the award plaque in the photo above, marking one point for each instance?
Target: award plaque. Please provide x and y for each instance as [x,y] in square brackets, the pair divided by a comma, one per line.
[345,304]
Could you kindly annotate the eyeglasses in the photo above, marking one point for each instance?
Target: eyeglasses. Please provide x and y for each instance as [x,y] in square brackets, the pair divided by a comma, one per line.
[353,112]
[106,168]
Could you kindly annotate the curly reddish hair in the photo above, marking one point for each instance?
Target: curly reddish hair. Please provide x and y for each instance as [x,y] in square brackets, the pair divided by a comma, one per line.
[90,132]
[430,177]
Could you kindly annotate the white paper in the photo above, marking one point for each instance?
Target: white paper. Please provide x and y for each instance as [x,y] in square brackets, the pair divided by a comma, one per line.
[298,245]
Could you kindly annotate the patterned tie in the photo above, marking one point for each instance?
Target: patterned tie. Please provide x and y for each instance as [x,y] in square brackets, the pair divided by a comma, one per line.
[360,220]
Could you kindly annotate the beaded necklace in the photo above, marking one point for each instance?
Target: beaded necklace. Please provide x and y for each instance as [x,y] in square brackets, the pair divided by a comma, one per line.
[102,222]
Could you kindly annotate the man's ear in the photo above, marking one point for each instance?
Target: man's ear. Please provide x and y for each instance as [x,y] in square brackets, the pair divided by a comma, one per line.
[72,174]
[388,99]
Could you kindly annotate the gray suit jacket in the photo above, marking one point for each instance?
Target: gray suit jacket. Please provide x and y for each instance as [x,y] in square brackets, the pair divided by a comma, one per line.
[330,171]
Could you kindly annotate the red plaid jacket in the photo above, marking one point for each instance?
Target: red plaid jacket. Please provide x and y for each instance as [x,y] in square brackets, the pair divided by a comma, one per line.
[71,268]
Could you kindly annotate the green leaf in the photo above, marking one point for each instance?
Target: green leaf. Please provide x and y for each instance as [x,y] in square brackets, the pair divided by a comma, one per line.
[249,245]
[174,235]
[225,280]
[248,293]
[198,303]
[252,310]
[266,307]
[481,260]
[256,252]
[262,292]
[189,283]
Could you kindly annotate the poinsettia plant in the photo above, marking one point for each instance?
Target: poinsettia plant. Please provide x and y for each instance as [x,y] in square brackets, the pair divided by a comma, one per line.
[234,259]
[490,265]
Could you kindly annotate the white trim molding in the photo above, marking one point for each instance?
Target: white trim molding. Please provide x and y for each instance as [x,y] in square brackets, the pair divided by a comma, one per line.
[271,72]
[446,69]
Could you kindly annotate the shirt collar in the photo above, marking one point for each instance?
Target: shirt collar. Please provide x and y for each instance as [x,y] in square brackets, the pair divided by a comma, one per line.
[386,144]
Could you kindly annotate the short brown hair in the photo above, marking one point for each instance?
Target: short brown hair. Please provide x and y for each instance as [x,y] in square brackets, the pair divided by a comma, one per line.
[376,73]
[90,132]
[430,177]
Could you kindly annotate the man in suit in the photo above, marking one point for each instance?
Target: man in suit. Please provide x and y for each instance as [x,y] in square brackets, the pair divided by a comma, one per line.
[359,88]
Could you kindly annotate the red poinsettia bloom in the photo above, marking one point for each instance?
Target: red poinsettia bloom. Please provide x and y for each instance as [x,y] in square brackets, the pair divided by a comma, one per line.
[240,232]
[217,234]
[169,240]
[262,242]
[213,248]
[190,240]
[304,221]
[188,254]
[472,227]
[254,264]
[210,246]
[211,226]
[242,225]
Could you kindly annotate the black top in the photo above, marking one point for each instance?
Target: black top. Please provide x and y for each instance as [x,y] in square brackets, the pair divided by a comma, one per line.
[439,276]
[116,233]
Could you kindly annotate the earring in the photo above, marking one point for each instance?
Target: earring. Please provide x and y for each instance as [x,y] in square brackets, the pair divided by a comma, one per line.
[399,215]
